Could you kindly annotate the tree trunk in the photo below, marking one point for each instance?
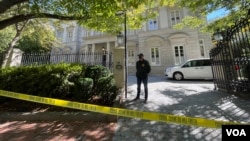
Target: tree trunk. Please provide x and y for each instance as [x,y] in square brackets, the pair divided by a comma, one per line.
[8,56]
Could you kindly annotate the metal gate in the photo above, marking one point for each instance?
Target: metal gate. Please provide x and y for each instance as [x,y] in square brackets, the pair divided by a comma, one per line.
[231,58]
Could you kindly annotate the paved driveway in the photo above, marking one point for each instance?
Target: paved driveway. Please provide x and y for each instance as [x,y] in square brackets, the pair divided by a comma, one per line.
[191,98]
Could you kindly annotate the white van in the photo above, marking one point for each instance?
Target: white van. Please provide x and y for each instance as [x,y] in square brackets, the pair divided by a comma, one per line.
[191,69]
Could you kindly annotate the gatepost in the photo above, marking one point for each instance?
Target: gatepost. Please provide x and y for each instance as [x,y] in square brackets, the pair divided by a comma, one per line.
[119,69]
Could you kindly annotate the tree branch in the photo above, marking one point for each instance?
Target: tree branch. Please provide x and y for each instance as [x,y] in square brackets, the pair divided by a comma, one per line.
[21,18]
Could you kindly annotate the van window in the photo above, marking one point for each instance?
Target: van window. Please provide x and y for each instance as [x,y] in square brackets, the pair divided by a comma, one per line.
[191,64]
[186,65]
[207,63]
[197,63]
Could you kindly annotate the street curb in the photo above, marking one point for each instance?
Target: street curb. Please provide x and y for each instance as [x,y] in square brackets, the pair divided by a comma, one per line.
[57,116]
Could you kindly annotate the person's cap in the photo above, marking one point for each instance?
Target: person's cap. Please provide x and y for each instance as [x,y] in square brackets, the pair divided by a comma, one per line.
[140,55]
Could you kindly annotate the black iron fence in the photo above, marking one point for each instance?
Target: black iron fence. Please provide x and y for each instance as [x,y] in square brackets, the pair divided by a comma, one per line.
[231,58]
[88,58]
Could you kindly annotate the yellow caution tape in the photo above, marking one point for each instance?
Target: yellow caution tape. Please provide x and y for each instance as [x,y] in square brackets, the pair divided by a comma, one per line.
[168,118]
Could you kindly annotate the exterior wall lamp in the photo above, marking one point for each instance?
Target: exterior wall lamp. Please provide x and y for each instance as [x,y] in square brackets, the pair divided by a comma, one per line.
[218,36]
[89,47]
[120,39]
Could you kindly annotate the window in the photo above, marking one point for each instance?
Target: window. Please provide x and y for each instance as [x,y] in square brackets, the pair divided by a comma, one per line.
[131,57]
[70,36]
[96,33]
[60,35]
[178,54]
[87,33]
[130,32]
[175,17]
[202,47]
[207,63]
[155,56]
[198,63]
[152,24]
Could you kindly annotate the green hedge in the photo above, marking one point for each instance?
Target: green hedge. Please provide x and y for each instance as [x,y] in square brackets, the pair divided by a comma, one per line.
[65,81]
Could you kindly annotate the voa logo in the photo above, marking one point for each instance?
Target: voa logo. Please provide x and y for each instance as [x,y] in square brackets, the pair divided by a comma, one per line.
[236,132]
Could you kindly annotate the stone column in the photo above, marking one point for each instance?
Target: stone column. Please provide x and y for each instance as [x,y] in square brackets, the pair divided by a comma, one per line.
[108,51]
[119,69]
[93,52]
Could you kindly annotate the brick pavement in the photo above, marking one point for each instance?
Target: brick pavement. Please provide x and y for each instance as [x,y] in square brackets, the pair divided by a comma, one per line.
[56,131]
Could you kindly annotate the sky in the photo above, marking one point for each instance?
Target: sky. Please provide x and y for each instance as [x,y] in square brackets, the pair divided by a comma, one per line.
[216,14]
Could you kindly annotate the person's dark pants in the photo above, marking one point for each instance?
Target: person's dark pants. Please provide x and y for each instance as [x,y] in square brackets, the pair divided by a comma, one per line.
[145,83]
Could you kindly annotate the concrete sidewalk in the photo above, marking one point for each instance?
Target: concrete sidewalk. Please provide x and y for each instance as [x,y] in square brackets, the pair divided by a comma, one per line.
[189,98]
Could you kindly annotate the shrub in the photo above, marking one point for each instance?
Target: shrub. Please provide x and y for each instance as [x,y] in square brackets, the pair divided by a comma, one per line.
[107,91]
[45,80]
[82,90]
[96,72]
[64,81]
[104,90]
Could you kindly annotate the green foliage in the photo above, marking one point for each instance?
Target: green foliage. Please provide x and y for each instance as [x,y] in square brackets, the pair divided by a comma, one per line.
[96,72]
[190,22]
[64,81]
[226,22]
[2,55]
[37,37]
[107,91]
[31,44]
[45,80]
[103,87]
[82,90]
[6,35]
[101,15]
[236,9]
[95,14]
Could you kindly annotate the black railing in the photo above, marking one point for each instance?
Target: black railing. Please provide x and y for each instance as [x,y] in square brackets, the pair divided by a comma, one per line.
[88,58]
[231,59]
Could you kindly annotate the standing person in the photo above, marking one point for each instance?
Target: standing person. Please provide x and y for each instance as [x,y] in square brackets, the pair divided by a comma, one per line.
[142,70]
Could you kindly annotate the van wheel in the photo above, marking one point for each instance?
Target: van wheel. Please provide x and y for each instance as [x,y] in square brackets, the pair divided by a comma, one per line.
[178,76]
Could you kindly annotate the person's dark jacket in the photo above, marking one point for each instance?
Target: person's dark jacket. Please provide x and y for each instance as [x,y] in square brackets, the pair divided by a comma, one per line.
[142,69]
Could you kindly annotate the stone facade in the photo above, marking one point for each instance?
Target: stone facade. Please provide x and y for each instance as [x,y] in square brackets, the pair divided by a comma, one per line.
[71,37]
[161,45]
